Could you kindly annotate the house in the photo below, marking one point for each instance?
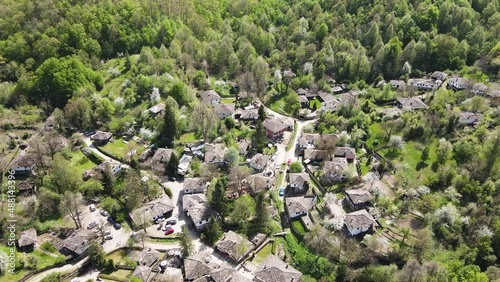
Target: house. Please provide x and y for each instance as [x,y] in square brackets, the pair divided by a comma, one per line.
[161,207]
[299,182]
[325,96]
[197,266]
[156,109]
[304,102]
[224,110]
[479,89]
[411,103]
[249,115]
[114,167]
[360,222]
[314,155]
[299,206]
[101,138]
[468,118]
[274,128]
[26,187]
[345,152]
[27,240]
[234,247]
[226,274]
[306,141]
[243,146]
[439,75]
[144,273]
[335,171]
[145,155]
[145,257]
[23,165]
[338,89]
[195,185]
[338,101]
[273,269]
[358,198]
[424,84]
[259,162]
[398,84]
[257,182]
[214,153]
[76,244]
[51,123]
[458,83]
[183,166]
[209,97]
[160,159]
[197,209]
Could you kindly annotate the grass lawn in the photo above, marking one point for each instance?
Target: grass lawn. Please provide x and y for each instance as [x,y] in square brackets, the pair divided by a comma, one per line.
[230,100]
[44,260]
[80,162]
[263,253]
[364,168]
[277,104]
[118,275]
[299,227]
[187,138]
[376,133]
[119,149]
[314,104]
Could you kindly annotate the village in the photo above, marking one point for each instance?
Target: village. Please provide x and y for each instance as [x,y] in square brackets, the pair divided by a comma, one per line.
[309,179]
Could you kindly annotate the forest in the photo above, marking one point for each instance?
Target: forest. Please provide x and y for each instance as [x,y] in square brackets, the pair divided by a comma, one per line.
[99,64]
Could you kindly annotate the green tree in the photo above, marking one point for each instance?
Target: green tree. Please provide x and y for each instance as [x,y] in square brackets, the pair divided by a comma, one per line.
[96,254]
[262,113]
[77,113]
[48,204]
[259,138]
[63,177]
[231,157]
[425,154]
[213,231]
[172,165]
[218,199]
[292,104]
[71,205]
[179,93]
[322,32]
[261,214]
[169,129]
[295,167]
[186,241]
[243,211]
[204,120]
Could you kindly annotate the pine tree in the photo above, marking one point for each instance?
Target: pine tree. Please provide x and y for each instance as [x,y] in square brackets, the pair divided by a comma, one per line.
[259,138]
[261,215]
[173,163]
[219,198]
[186,241]
[108,180]
[213,231]
[262,113]
[169,127]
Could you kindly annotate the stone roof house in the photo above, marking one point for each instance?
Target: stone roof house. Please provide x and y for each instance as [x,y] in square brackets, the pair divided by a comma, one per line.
[248,115]
[274,128]
[145,257]
[273,269]
[160,159]
[101,138]
[458,83]
[77,243]
[259,162]
[195,185]
[197,209]
[224,110]
[439,75]
[299,206]
[479,89]
[257,183]
[314,155]
[27,240]
[196,266]
[243,146]
[210,97]
[299,182]
[26,187]
[214,153]
[335,171]
[424,84]
[360,222]
[162,207]
[411,103]
[234,246]
[306,141]
[23,165]
[144,273]
[345,152]
[398,84]
[358,198]
[468,118]
[156,109]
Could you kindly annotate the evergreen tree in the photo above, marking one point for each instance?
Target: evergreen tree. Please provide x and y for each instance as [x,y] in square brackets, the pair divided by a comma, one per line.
[262,113]
[173,163]
[259,138]
[186,241]
[219,198]
[261,215]
[96,255]
[213,231]
[169,127]
[108,180]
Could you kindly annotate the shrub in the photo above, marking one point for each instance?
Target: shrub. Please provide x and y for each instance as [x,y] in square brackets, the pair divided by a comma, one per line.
[48,247]
[168,192]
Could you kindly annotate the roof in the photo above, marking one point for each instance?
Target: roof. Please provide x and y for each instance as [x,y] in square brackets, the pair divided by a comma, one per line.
[288,73]
[258,182]
[439,75]
[412,103]
[197,208]
[24,161]
[102,166]
[307,139]
[346,152]
[234,245]
[479,87]
[459,80]
[150,209]
[358,196]
[223,274]
[325,96]
[303,99]
[299,204]
[334,167]
[78,242]
[195,183]
[195,267]
[101,136]
[209,96]
[317,155]
[359,219]
[162,155]
[399,83]
[224,109]
[469,118]
[143,273]
[298,179]
[274,125]
[214,153]
[157,108]
[27,237]
[251,114]
[146,256]
[25,185]
[274,269]
[243,146]
[259,161]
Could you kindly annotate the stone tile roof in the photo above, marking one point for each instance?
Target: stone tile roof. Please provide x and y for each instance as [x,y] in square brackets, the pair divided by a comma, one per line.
[469,118]
[258,182]
[196,266]
[275,270]
[143,273]
[234,246]
[157,108]
[307,139]
[209,95]
[315,155]
[360,219]
[27,237]
[274,125]
[214,153]
[259,161]
[298,179]
[78,242]
[101,136]
[224,109]
[358,196]
[195,183]
[299,204]
[243,146]
[146,256]
[150,209]
[412,103]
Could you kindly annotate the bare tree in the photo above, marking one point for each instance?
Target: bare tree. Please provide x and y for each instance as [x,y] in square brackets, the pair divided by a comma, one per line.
[328,143]
[52,144]
[238,173]
[101,229]
[204,119]
[71,205]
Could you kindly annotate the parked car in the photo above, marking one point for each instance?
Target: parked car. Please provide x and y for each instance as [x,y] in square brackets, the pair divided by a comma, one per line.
[169,231]
[172,222]
[107,232]
[108,237]
[282,192]
[171,178]
[92,208]
[117,225]
[166,227]
[110,220]
[92,225]
[104,213]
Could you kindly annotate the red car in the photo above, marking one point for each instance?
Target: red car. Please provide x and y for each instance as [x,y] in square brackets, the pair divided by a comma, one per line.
[169,231]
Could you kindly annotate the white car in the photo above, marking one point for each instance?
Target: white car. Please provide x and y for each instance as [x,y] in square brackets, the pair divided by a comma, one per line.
[108,237]
[166,227]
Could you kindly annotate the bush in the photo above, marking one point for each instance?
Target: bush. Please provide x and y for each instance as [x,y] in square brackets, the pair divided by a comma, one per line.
[48,247]
[295,167]
[110,265]
[168,192]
